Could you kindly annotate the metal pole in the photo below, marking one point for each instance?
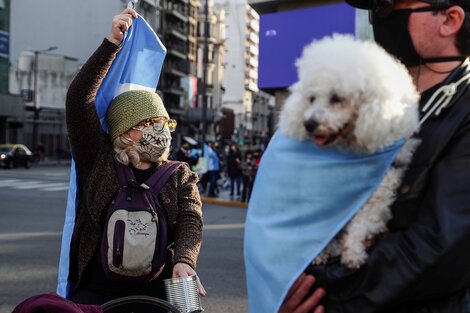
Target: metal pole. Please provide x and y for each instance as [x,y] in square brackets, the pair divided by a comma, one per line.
[36,106]
[204,75]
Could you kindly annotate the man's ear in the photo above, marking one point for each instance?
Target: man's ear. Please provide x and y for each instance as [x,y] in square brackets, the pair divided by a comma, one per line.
[454,18]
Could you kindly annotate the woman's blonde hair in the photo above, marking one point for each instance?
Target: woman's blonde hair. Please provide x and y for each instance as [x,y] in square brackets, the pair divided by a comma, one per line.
[127,153]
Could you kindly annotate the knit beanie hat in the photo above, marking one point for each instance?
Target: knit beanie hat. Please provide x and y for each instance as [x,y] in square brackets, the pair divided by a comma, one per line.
[130,108]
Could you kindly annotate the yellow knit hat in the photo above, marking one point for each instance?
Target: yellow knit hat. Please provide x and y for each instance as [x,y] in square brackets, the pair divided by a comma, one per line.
[132,107]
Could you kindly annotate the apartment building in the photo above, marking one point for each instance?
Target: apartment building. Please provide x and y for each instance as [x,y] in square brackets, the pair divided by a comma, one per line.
[241,67]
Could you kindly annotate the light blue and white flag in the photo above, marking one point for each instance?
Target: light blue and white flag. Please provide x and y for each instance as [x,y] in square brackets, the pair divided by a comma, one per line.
[137,66]
[212,159]
[302,197]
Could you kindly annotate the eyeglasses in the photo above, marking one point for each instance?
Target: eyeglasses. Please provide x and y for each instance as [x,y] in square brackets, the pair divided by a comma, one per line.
[384,8]
[159,123]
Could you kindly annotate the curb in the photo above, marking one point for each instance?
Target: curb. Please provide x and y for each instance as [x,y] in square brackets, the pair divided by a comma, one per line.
[50,164]
[236,204]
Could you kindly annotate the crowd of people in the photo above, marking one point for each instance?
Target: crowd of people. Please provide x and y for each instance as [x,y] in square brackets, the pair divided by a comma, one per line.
[225,167]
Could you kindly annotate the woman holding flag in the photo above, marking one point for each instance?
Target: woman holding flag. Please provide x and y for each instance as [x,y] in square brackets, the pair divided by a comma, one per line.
[133,117]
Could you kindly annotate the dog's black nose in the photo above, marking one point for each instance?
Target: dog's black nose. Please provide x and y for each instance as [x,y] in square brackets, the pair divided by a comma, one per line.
[310,125]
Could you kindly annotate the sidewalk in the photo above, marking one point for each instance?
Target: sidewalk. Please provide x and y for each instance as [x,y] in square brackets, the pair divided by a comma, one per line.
[224,198]
[52,162]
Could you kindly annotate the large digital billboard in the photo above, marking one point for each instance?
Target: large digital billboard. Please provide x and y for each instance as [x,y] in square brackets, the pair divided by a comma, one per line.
[284,34]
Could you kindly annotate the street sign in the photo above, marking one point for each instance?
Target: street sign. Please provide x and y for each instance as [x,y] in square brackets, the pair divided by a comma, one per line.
[4,44]
[27,95]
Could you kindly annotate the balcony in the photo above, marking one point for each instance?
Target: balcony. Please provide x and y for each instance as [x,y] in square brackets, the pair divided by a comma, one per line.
[211,39]
[252,49]
[253,62]
[176,68]
[254,25]
[175,72]
[174,90]
[182,54]
[251,73]
[252,13]
[251,86]
[253,37]
[177,14]
[179,33]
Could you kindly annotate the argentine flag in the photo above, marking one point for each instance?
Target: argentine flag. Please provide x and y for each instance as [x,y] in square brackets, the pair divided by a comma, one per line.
[302,197]
[137,66]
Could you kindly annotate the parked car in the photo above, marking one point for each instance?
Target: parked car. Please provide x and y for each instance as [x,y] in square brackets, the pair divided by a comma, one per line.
[13,155]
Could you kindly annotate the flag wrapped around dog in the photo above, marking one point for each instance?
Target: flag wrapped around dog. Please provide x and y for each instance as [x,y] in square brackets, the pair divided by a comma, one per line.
[302,197]
[137,66]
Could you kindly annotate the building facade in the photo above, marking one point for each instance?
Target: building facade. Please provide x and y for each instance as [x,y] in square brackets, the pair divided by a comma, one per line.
[210,68]
[175,36]
[177,24]
[241,69]
[11,106]
[43,79]
[42,64]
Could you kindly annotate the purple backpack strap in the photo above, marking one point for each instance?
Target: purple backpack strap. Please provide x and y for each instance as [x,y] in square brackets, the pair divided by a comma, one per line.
[159,179]
[124,173]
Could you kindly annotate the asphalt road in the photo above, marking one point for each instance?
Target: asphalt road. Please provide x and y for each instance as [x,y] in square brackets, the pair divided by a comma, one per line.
[32,208]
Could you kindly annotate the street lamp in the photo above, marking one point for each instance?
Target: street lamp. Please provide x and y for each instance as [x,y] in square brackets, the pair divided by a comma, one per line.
[36,106]
[204,75]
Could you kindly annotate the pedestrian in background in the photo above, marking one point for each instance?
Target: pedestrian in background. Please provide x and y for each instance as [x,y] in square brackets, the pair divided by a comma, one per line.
[139,138]
[213,166]
[234,169]
[249,168]
[184,154]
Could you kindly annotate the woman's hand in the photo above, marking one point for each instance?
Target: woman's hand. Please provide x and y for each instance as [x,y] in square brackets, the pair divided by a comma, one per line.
[295,301]
[120,24]
[182,270]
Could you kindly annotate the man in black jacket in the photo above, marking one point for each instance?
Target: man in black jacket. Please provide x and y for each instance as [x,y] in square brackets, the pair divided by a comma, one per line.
[423,264]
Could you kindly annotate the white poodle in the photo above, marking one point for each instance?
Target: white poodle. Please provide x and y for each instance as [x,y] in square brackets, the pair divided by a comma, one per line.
[354,95]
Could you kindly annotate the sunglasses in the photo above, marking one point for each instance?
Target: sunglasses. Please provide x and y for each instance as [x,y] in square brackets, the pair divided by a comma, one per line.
[383,8]
[159,123]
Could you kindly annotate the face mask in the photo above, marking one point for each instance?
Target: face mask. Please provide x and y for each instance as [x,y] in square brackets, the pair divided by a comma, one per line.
[391,32]
[153,143]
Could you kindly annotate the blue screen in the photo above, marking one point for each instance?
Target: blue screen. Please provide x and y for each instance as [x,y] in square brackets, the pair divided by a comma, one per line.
[284,34]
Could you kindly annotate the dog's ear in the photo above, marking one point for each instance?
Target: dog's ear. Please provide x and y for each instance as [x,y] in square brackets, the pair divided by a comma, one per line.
[291,116]
[295,88]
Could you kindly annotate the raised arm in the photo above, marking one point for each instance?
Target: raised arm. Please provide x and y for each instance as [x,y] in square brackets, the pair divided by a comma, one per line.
[83,125]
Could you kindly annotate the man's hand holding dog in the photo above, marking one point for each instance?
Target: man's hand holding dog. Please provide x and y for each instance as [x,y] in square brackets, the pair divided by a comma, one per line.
[296,302]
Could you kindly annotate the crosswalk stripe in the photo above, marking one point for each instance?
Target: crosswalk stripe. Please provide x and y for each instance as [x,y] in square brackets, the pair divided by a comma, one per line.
[223,226]
[37,185]
[20,236]
[34,184]
[8,182]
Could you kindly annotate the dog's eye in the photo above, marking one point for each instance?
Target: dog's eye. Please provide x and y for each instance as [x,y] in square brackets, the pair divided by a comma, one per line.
[335,99]
[311,99]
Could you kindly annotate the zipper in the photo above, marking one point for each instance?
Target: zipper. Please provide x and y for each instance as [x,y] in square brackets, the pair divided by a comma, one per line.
[118,243]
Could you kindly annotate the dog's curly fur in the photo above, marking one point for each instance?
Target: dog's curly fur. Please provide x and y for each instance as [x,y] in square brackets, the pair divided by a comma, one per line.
[353,94]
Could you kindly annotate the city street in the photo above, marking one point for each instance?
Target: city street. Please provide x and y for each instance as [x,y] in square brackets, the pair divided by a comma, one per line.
[32,208]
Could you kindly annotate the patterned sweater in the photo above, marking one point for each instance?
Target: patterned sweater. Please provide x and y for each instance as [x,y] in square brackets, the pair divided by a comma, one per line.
[97,179]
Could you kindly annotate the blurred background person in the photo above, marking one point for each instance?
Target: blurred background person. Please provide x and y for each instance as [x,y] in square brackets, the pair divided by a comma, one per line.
[234,171]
